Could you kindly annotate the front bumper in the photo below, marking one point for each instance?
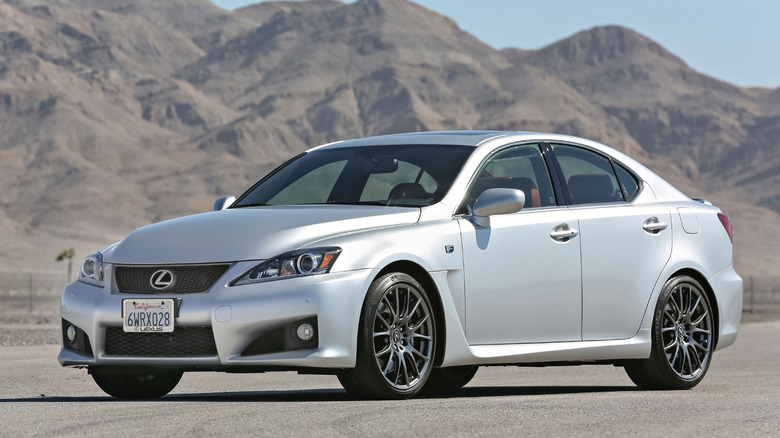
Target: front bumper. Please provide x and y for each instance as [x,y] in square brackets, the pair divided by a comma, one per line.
[236,315]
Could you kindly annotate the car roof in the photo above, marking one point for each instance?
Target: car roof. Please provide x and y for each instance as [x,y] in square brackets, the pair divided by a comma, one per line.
[459,138]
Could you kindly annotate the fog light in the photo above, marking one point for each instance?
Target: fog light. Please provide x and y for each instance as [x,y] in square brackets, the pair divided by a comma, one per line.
[305,331]
[70,333]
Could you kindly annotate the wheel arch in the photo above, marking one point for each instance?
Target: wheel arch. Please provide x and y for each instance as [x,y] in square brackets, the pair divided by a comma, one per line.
[698,276]
[421,275]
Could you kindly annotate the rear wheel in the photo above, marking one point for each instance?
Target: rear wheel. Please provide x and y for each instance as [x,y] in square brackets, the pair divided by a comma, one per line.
[396,341]
[683,339]
[451,378]
[137,386]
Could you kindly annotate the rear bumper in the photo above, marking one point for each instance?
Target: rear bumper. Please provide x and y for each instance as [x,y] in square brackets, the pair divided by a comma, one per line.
[728,291]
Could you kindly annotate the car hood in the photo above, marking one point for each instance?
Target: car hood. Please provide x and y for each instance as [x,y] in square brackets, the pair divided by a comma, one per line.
[254,233]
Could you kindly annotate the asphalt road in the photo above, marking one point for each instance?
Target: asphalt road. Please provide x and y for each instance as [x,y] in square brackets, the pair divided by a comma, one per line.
[740,396]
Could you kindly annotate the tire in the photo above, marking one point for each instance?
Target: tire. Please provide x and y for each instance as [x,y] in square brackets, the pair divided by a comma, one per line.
[396,341]
[451,378]
[137,386]
[683,339]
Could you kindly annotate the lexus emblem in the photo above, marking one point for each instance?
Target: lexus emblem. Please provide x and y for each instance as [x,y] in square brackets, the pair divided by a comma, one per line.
[163,279]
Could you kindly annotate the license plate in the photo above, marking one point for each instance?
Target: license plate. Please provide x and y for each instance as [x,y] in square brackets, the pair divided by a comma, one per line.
[147,316]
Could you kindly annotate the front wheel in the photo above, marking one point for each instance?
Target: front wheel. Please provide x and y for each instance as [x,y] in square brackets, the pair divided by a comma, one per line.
[137,386]
[683,339]
[396,341]
[450,378]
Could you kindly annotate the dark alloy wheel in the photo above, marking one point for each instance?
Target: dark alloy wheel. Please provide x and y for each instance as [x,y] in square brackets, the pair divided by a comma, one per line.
[396,341]
[683,339]
[137,386]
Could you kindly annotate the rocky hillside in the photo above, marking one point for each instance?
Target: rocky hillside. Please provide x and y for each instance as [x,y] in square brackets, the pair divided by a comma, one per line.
[118,113]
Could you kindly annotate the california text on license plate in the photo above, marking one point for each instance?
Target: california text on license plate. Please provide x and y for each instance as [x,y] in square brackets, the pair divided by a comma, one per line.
[152,316]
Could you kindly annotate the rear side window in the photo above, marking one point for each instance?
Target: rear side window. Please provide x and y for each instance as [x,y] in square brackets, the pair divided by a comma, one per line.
[588,175]
[627,182]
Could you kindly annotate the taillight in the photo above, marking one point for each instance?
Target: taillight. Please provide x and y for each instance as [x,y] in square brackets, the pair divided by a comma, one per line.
[727,225]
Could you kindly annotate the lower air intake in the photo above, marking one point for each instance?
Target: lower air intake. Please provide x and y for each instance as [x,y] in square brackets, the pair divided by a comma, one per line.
[182,342]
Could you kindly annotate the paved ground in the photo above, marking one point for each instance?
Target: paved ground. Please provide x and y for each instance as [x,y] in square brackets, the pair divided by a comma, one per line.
[740,396]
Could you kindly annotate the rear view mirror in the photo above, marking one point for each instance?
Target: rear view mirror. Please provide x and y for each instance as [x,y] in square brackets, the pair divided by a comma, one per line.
[379,164]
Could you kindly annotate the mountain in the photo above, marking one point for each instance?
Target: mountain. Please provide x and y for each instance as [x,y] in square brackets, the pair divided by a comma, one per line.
[118,113]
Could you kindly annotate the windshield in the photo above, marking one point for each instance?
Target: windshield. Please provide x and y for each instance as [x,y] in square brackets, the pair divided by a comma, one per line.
[400,175]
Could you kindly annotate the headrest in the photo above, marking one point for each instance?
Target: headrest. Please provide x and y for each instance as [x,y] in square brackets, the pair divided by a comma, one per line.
[407,191]
[589,188]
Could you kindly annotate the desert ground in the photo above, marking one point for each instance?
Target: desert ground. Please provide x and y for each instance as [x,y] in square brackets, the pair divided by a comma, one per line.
[739,396]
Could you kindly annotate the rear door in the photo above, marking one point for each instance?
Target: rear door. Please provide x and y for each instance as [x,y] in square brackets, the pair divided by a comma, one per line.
[626,240]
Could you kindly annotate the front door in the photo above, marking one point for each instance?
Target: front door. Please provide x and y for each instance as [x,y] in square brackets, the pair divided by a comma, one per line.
[522,279]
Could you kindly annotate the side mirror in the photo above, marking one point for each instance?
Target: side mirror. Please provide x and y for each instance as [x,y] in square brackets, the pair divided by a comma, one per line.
[497,201]
[223,203]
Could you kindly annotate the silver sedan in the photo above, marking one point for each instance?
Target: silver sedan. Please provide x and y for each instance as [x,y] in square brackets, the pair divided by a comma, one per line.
[403,263]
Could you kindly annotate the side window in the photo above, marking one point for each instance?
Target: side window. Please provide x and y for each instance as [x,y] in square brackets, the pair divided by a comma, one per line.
[519,167]
[588,175]
[627,181]
[312,188]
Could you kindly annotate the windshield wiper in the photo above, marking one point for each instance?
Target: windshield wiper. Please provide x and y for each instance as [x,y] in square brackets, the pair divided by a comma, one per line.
[381,204]
[256,204]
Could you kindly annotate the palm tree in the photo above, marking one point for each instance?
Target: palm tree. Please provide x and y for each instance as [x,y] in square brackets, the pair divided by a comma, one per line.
[67,254]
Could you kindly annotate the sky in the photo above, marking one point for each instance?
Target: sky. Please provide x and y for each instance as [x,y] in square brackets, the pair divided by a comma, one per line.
[737,41]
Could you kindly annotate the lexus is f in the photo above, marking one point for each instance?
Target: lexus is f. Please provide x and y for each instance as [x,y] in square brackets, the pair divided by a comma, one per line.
[402,263]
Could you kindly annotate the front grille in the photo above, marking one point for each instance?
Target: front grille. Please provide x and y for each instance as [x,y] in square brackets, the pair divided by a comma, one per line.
[188,279]
[181,342]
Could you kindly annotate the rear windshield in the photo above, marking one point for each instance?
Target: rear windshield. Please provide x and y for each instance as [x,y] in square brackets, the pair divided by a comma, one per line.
[399,175]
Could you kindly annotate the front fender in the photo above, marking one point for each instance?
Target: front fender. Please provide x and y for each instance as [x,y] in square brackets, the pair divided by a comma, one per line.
[435,246]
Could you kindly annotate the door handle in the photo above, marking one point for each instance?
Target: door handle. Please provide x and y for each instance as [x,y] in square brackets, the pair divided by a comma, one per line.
[562,233]
[654,226]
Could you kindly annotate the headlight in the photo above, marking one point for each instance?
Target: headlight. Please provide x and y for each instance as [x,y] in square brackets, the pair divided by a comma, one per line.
[91,270]
[292,264]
